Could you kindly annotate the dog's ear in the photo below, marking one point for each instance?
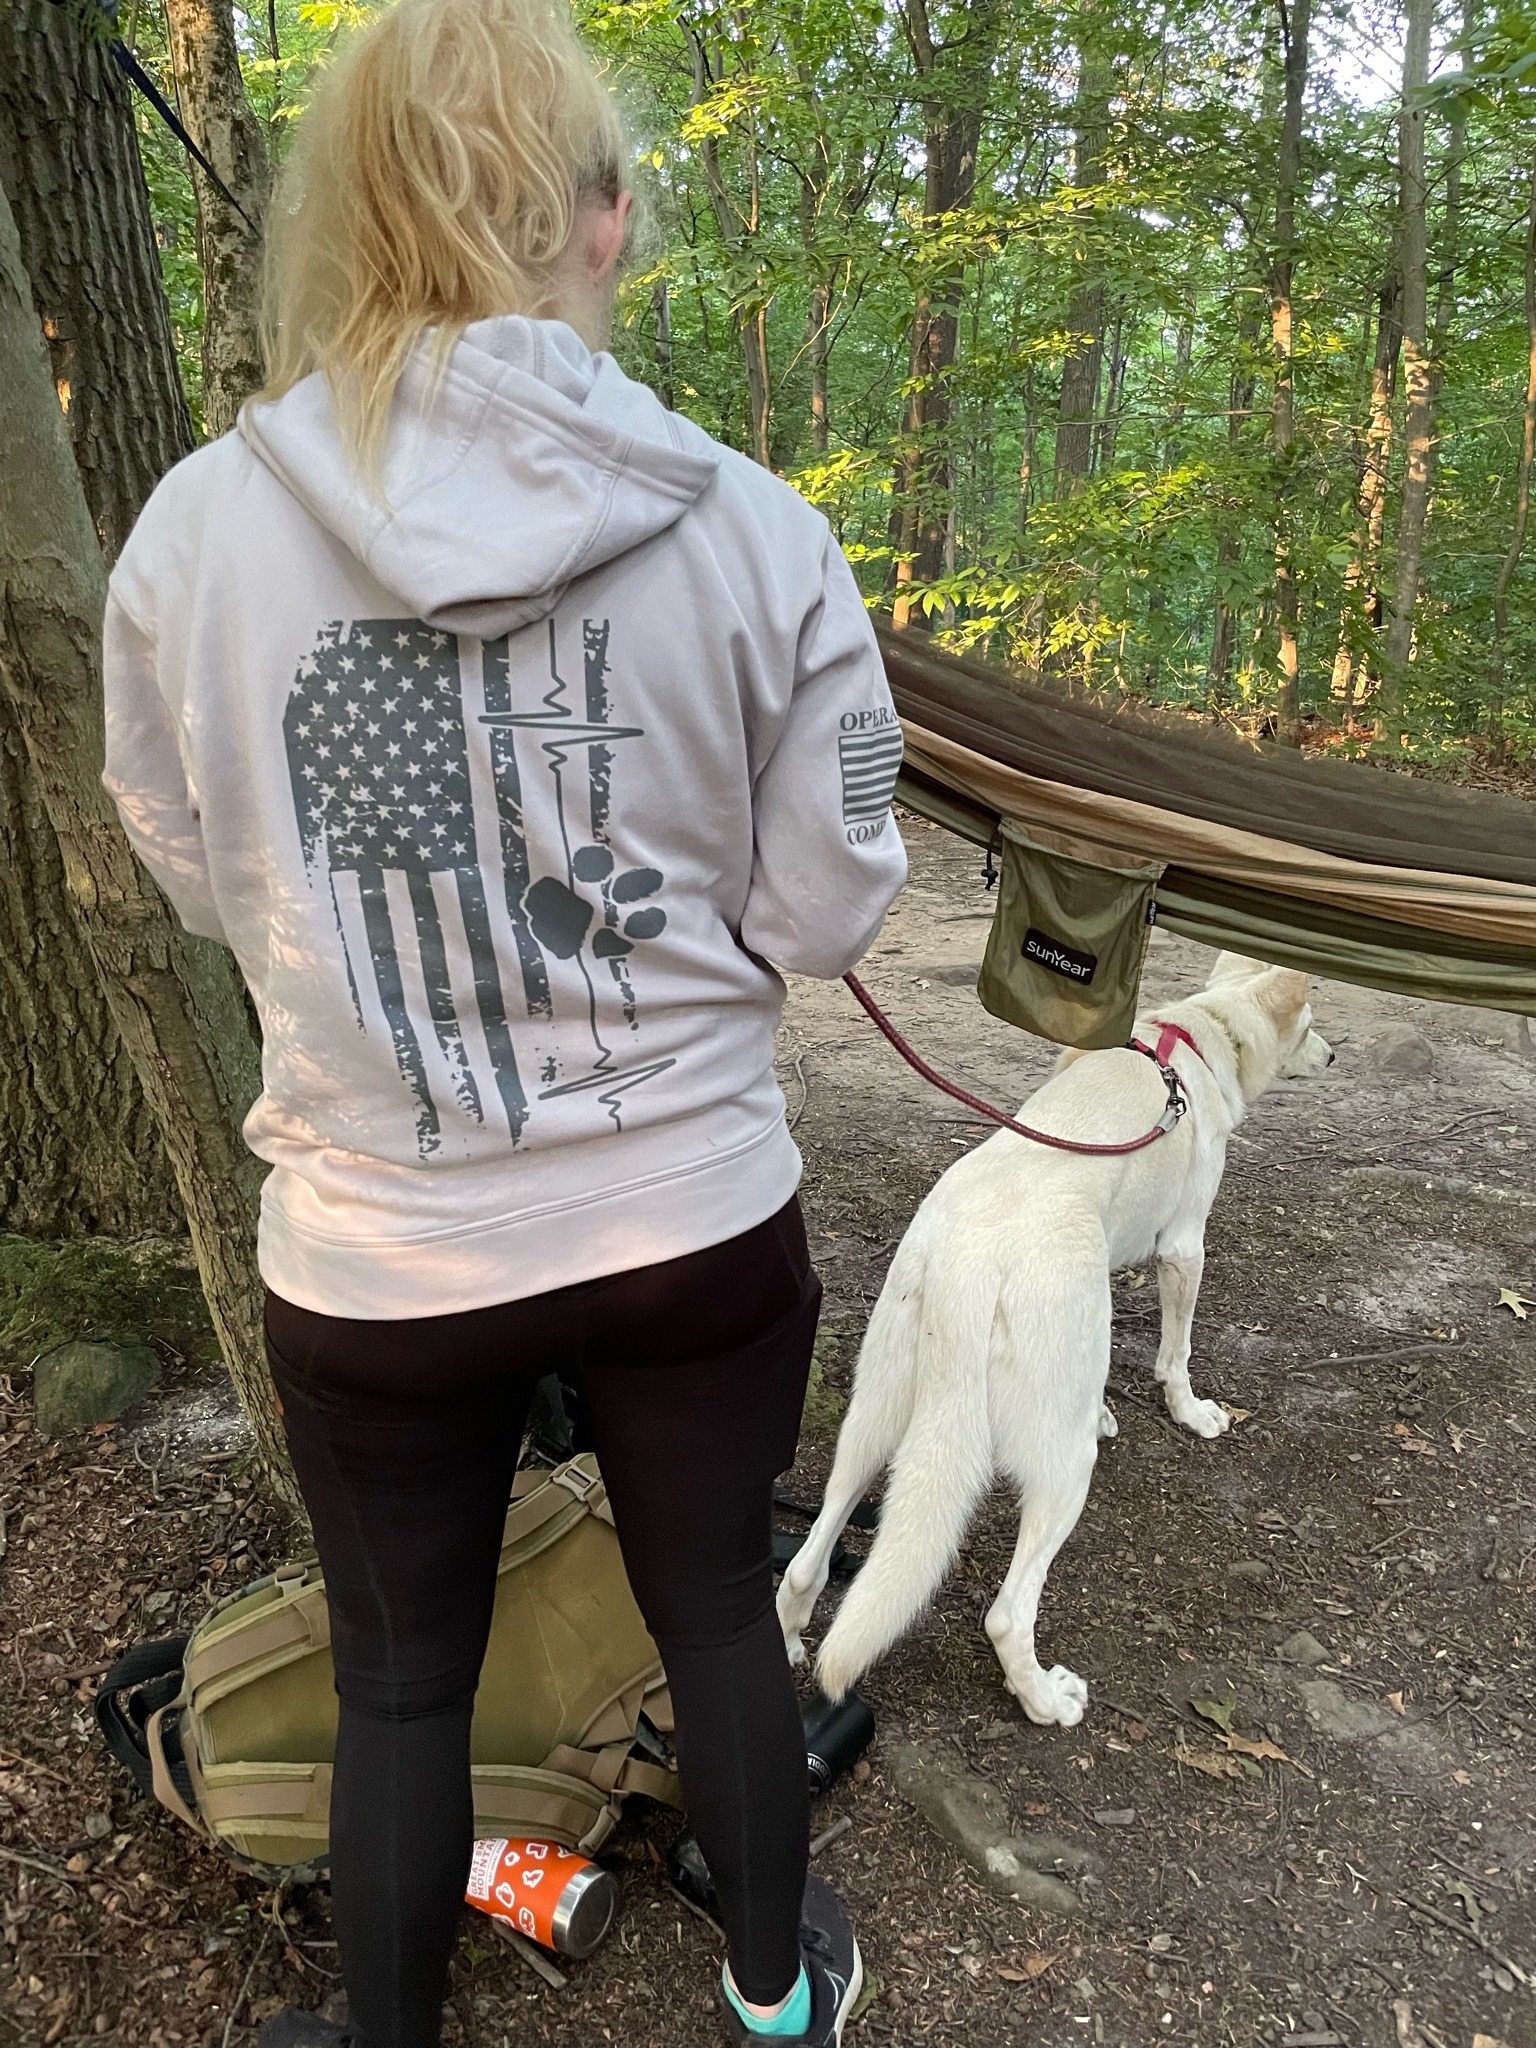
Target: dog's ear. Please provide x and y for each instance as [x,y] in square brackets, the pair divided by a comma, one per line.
[1282,994]
[1234,967]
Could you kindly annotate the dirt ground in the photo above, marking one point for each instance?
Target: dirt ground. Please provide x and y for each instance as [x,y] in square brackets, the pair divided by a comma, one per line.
[1367,1881]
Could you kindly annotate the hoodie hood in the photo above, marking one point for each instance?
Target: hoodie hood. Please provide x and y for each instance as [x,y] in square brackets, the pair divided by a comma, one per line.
[527,463]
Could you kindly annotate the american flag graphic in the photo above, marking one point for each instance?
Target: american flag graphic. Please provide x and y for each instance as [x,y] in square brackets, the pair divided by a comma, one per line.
[870,762]
[379,755]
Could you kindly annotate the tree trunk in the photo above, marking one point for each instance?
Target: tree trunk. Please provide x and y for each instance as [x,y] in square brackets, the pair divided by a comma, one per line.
[1294,29]
[1516,546]
[1362,576]
[218,117]
[79,1150]
[661,321]
[175,1000]
[1114,396]
[954,81]
[817,320]
[69,160]
[1027,455]
[1418,371]
[1228,539]
[738,231]
[1080,372]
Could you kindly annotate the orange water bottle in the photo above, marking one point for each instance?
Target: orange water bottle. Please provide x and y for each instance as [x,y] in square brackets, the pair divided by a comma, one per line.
[556,1897]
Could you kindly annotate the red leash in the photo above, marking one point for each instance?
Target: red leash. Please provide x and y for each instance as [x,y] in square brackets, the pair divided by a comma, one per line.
[1167,1037]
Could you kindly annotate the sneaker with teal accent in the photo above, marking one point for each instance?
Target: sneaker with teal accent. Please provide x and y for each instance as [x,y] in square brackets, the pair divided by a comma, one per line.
[833,1967]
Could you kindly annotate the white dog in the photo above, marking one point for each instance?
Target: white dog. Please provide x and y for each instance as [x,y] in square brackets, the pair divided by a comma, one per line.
[989,1346]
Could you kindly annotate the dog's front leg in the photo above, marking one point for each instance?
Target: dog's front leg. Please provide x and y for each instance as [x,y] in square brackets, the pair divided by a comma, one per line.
[1178,1286]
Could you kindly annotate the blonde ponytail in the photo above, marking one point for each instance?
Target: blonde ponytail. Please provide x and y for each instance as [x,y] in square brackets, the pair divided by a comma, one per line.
[435,181]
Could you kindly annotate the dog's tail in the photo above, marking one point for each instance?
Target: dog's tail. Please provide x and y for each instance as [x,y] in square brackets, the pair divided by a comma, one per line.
[943,1462]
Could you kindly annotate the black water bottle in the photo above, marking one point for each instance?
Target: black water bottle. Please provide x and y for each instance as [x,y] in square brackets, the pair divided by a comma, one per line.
[837,1733]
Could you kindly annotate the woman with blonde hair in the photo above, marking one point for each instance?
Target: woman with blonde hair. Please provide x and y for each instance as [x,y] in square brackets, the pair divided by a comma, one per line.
[515,735]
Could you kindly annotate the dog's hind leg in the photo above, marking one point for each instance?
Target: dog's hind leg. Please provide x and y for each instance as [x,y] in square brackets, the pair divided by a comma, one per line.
[1054,1485]
[1178,1285]
[858,1460]
[879,1412]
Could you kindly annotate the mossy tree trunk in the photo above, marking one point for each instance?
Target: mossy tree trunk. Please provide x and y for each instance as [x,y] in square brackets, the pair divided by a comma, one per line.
[176,1001]
[79,1150]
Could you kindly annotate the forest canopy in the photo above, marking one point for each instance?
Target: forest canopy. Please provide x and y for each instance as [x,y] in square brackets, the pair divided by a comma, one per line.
[1183,351]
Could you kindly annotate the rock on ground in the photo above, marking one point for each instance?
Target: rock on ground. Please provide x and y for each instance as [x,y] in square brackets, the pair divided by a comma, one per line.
[81,1384]
[1400,1049]
[973,1816]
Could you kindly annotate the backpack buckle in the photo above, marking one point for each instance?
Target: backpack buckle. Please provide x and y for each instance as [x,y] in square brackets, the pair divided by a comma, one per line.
[581,1483]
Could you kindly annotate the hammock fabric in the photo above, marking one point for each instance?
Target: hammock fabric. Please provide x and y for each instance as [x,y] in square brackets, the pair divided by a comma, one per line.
[1337,867]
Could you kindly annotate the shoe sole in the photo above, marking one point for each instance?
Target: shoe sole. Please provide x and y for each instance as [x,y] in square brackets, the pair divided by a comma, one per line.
[850,1997]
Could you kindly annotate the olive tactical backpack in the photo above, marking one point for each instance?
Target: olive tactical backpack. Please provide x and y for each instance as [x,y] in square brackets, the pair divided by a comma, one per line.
[233,1728]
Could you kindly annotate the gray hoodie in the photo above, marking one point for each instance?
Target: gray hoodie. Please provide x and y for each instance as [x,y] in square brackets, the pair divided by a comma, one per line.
[511,784]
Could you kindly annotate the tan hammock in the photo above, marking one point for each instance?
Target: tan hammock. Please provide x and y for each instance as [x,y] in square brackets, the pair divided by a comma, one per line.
[1338,867]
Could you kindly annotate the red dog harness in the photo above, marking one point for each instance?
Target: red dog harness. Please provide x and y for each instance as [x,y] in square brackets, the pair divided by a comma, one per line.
[1169,1036]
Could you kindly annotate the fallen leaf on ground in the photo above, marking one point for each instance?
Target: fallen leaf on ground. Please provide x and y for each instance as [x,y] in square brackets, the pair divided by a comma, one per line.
[1209,1761]
[1460,1889]
[1517,1303]
[1487,2041]
[1395,1702]
[866,1998]
[1031,1968]
[1238,1414]
[1220,1712]
[1461,1777]
[1263,1750]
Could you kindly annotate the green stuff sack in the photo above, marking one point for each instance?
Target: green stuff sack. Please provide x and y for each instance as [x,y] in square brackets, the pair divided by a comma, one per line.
[1068,940]
[570,1684]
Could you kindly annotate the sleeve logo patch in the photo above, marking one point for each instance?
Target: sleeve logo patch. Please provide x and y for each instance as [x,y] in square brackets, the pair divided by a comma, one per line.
[870,762]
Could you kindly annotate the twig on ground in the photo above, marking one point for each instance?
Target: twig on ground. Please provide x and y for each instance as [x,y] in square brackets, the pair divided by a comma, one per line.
[829,1835]
[1379,1357]
[28,1763]
[533,1956]
[234,2010]
[805,1089]
[1467,1934]
[53,1870]
[699,1914]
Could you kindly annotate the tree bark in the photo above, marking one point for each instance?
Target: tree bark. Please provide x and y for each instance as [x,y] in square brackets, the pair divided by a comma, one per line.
[1082,369]
[661,322]
[954,81]
[218,117]
[79,1150]
[818,318]
[69,160]
[1362,588]
[738,230]
[1228,539]
[1418,371]
[175,1001]
[1295,25]
[1516,547]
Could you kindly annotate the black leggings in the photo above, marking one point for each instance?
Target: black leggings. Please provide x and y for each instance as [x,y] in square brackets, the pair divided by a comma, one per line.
[405,1437]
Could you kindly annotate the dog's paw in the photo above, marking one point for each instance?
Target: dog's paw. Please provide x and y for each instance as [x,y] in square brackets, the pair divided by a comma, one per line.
[1057,1696]
[1205,1418]
[794,1649]
[1107,1423]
